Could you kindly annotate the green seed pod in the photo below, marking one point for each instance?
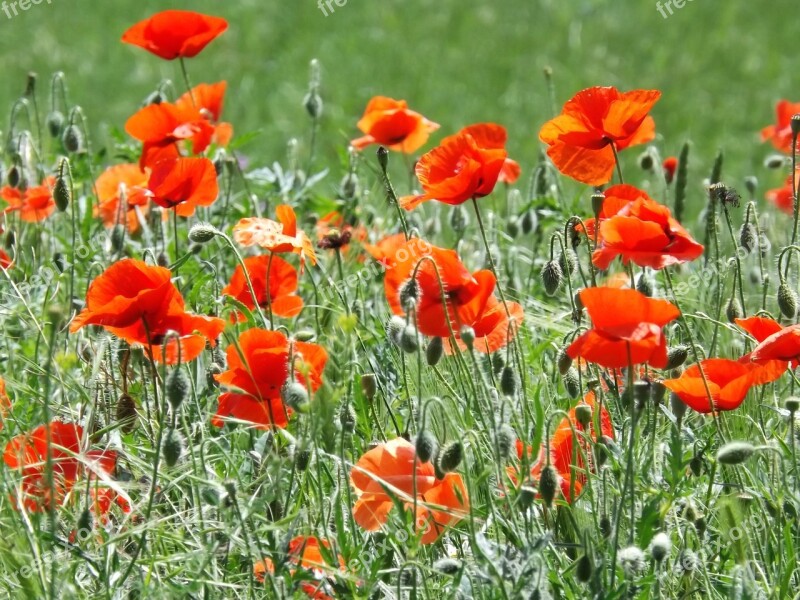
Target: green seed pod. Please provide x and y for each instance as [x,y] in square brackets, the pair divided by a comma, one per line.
[548,484]
[584,569]
[552,276]
[734,310]
[178,388]
[450,457]
[467,335]
[55,123]
[583,414]
[572,383]
[676,356]
[126,413]
[508,381]
[295,396]
[172,448]
[792,404]
[434,351]
[72,139]
[735,453]
[426,446]
[62,194]
[787,301]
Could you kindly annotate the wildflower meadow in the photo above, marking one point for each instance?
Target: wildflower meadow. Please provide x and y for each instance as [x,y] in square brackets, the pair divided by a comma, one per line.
[421,347]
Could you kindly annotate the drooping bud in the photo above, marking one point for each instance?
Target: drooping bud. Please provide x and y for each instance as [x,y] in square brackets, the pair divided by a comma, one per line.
[62,194]
[434,351]
[178,388]
[467,335]
[459,219]
[72,139]
[568,262]
[450,457]
[584,569]
[347,418]
[126,413]
[409,294]
[369,385]
[55,123]
[426,446]
[563,361]
[172,448]
[748,236]
[734,310]
[295,395]
[644,285]
[409,339]
[529,221]
[572,382]
[735,453]
[508,381]
[394,329]
[677,406]
[787,300]
[548,484]
[552,276]
[506,441]
[202,233]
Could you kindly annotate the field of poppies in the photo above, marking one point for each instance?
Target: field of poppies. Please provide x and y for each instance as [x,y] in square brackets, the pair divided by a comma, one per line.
[399,360]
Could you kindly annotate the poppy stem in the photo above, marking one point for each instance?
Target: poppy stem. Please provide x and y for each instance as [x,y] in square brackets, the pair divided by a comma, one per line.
[390,193]
[188,83]
[268,288]
[490,257]
[616,162]
[795,200]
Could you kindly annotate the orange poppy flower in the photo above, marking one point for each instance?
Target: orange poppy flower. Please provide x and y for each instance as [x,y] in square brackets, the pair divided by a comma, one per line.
[468,297]
[258,370]
[184,184]
[460,168]
[5,402]
[280,294]
[385,250]
[580,138]
[491,136]
[780,134]
[389,472]
[130,182]
[160,127]
[670,166]
[276,236]
[728,382]
[624,322]
[139,304]
[27,453]
[208,99]
[783,197]
[5,260]
[172,34]
[391,123]
[33,204]
[305,553]
[759,327]
[783,345]
[641,230]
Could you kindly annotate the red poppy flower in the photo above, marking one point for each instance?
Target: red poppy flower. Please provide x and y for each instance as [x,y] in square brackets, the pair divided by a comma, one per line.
[385,251]
[28,454]
[783,197]
[126,181]
[625,322]
[5,402]
[580,138]
[780,134]
[783,345]
[33,204]
[728,382]
[761,328]
[391,123]
[184,184]
[160,127]
[276,236]
[172,34]
[459,169]
[280,294]
[491,136]
[306,553]
[139,304]
[670,166]
[640,230]
[5,260]
[468,298]
[258,369]
[209,99]
[388,472]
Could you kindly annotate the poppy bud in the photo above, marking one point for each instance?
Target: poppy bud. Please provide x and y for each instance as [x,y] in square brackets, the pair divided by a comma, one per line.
[426,446]
[513,227]
[459,219]
[646,161]
[62,195]
[508,381]
[162,260]
[568,262]
[156,97]
[563,361]
[305,335]
[295,396]
[126,413]
[383,157]
[55,123]
[117,238]
[72,139]
[584,569]
[644,285]
[552,276]
[450,457]
[210,495]
[230,489]
[202,233]
[597,204]
[14,176]
[775,161]
[677,406]
[467,335]
[448,566]
[751,184]
[313,104]
[583,414]
[10,240]
[657,392]
[792,404]
[434,351]
[787,301]
[409,339]
[696,465]
[301,459]
[212,371]
[349,188]
[795,125]
[83,527]
[529,221]
[548,484]
[676,356]
[394,328]
[605,526]
[734,310]
[571,383]
[734,453]
[347,418]
[506,441]
[748,236]
[409,294]
[178,388]
[172,448]
[369,385]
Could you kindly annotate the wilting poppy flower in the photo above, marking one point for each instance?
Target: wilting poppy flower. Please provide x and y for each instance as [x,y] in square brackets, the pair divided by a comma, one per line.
[305,552]
[458,169]
[276,236]
[258,370]
[640,230]
[388,472]
[172,34]
[333,232]
[728,382]
[5,260]
[580,138]
[160,127]
[385,250]
[208,99]
[5,401]
[280,294]
[33,204]
[670,165]
[626,329]
[28,454]
[783,197]
[139,304]
[126,181]
[391,123]
[468,297]
[780,134]
[184,184]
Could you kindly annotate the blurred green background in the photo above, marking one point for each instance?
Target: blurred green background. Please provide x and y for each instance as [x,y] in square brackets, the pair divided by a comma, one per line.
[720,65]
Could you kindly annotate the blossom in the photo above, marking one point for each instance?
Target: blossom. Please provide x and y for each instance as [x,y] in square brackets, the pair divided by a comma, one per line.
[391,123]
[33,204]
[172,34]
[780,134]
[122,182]
[278,236]
[280,294]
[184,184]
